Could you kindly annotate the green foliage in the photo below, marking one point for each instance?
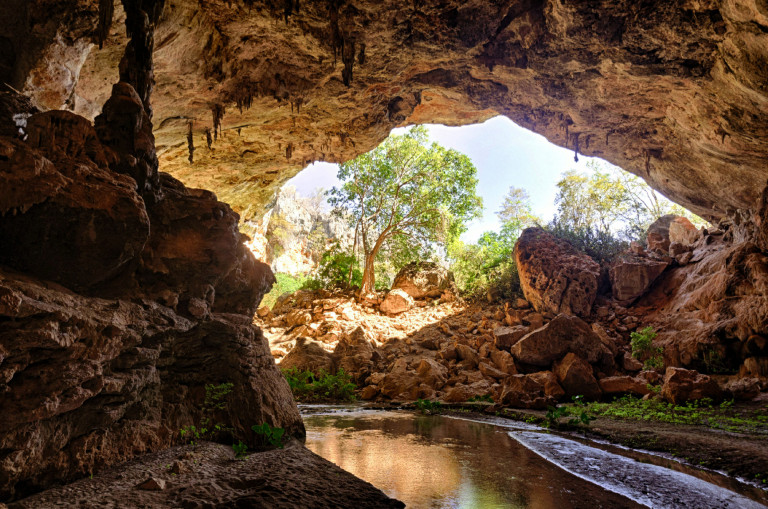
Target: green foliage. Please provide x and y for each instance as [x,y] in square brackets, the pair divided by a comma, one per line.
[270,436]
[643,349]
[307,387]
[428,407]
[609,200]
[714,361]
[516,214]
[240,449]
[486,265]
[485,398]
[334,270]
[286,283]
[216,400]
[406,188]
[603,246]
[578,413]
[697,413]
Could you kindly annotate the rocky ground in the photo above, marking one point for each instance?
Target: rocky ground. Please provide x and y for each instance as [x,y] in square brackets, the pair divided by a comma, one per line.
[208,475]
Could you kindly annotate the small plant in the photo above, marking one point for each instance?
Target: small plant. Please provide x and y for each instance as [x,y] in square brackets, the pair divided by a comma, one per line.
[655,389]
[428,407]
[216,396]
[485,398]
[578,412]
[270,435]
[240,449]
[643,349]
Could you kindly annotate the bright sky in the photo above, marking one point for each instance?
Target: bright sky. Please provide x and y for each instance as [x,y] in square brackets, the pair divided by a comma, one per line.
[505,155]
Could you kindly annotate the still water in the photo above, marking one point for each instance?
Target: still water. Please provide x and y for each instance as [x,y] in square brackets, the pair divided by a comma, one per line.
[443,462]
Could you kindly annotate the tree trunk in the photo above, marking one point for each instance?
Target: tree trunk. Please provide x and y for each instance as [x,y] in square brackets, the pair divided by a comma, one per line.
[369,275]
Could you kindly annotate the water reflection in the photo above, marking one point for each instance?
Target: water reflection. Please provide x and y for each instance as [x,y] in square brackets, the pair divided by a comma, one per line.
[433,461]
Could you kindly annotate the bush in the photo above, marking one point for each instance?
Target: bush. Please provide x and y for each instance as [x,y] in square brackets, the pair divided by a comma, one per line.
[643,349]
[603,246]
[334,271]
[306,386]
[487,266]
[286,283]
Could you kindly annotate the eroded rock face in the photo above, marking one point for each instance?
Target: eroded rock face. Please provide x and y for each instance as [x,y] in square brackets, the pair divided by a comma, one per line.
[87,382]
[554,276]
[669,91]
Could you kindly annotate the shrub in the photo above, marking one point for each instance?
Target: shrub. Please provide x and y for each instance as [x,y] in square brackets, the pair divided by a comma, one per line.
[216,400]
[487,266]
[306,386]
[601,245]
[286,283]
[429,407]
[270,436]
[643,349]
[578,413]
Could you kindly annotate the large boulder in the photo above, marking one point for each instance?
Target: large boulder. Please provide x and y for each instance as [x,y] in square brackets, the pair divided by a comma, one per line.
[670,229]
[613,385]
[308,355]
[536,390]
[631,276]
[423,280]
[353,354]
[554,276]
[563,334]
[397,301]
[681,385]
[576,377]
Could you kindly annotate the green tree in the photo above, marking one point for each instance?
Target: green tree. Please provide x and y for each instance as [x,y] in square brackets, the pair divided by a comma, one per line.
[516,213]
[406,187]
[608,200]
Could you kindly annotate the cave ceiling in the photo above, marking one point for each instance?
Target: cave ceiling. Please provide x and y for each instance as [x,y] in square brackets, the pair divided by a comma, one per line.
[675,92]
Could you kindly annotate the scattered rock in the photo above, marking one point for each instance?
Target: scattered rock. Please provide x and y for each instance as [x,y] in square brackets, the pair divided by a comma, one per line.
[152,484]
[624,385]
[576,377]
[562,335]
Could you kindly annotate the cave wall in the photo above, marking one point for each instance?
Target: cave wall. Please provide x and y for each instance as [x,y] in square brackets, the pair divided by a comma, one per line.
[672,91]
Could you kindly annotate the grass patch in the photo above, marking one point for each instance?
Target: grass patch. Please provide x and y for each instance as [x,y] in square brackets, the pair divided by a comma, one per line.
[696,413]
[308,387]
[286,283]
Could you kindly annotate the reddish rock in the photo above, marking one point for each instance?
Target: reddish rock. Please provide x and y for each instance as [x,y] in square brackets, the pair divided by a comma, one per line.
[490,371]
[369,392]
[537,390]
[508,336]
[631,277]
[681,385]
[432,373]
[624,385]
[423,280]
[554,276]
[353,354]
[562,335]
[668,229]
[396,302]
[72,220]
[308,355]
[576,377]
[504,361]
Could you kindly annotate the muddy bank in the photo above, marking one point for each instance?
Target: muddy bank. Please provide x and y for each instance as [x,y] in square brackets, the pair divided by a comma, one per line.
[209,476]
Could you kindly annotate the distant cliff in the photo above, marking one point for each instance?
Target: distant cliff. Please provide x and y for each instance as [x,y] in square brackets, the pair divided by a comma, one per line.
[295,231]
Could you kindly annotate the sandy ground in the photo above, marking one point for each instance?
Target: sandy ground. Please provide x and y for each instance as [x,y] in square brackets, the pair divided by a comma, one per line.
[208,476]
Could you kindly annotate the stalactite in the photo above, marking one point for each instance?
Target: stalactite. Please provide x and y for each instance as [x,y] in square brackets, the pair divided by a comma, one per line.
[190,143]
[348,57]
[576,147]
[106,13]
[217,110]
[136,66]
[208,138]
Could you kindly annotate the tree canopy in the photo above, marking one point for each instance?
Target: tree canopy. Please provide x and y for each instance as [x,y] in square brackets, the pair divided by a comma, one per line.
[406,194]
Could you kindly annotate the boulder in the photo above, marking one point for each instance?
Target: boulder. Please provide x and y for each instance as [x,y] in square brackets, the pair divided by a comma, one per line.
[554,276]
[668,229]
[562,335]
[353,354]
[537,391]
[681,385]
[624,385]
[576,377]
[397,301]
[308,355]
[432,373]
[742,389]
[504,361]
[423,280]
[506,337]
[631,276]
